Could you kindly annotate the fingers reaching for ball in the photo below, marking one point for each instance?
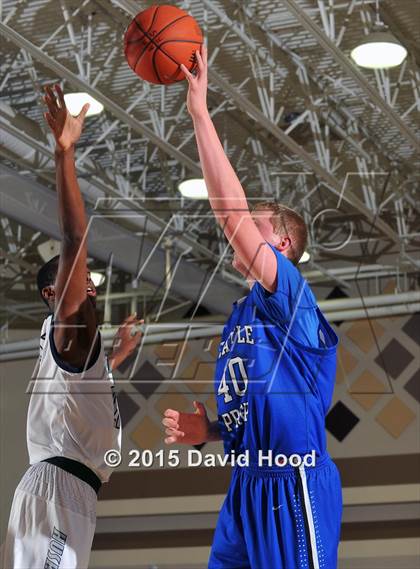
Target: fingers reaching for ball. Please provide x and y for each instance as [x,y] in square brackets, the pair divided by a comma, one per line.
[204,54]
[201,58]
[188,75]
[197,84]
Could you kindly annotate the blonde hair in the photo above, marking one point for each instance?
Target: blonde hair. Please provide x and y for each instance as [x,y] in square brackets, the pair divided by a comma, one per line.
[289,223]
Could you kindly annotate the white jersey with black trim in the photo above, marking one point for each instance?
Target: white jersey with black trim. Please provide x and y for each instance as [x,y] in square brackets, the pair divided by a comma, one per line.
[72,413]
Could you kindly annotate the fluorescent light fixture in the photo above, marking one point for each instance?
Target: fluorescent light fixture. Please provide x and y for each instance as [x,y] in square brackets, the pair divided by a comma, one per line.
[379,50]
[97,278]
[305,257]
[194,189]
[75,102]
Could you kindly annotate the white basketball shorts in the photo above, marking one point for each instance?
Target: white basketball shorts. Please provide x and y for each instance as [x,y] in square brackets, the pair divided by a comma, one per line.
[52,521]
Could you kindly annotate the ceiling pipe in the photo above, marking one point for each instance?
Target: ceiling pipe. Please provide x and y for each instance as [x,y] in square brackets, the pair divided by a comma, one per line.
[356,272]
[328,306]
[150,330]
[370,307]
[373,312]
[325,305]
[154,334]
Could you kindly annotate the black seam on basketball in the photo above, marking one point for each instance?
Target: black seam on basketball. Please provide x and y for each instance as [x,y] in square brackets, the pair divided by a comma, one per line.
[192,67]
[154,66]
[169,25]
[181,41]
[145,47]
[144,32]
[140,28]
[153,20]
[170,56]
[153,40]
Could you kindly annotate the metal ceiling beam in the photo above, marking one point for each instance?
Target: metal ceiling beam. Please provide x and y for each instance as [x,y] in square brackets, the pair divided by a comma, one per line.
[31,204]
[108,103]
[397,27]
[331,182]
[92,186]
[291,59]
[278,133]
[14,258]
[311,26]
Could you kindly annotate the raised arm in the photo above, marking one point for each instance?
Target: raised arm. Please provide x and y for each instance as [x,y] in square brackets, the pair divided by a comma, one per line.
[74,314]
[226,195]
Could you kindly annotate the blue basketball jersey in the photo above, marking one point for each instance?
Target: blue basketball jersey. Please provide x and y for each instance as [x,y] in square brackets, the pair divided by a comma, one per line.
[275,371]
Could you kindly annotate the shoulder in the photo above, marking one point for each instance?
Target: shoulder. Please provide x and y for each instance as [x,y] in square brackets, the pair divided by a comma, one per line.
[96,355]
[291,286]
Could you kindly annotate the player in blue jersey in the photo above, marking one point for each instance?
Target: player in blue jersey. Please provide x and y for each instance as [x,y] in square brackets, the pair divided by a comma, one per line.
[274,381]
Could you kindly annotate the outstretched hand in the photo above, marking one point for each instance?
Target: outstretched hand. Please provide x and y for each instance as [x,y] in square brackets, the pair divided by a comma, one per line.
[65,128]
[187,428]
[197,84]
[125,341]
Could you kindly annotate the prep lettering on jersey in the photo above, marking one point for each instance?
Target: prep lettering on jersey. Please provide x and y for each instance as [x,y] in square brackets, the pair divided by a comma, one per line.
[236,417]
[55,549]
[239,335]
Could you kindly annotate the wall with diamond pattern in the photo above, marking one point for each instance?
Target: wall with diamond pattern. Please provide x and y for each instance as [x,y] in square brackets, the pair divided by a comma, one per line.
[375,410]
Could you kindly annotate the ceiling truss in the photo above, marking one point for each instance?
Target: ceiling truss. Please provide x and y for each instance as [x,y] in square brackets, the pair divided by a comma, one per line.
[300,123]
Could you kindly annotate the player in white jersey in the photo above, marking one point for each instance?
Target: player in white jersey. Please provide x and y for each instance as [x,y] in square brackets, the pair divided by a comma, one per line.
[73,416]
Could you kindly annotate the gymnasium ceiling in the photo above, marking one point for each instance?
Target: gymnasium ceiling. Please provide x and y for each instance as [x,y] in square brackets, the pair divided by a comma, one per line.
[299,121]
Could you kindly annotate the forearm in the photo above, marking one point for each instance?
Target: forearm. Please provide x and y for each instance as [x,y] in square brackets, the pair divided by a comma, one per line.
[226,194]
[71,209]
[214,432]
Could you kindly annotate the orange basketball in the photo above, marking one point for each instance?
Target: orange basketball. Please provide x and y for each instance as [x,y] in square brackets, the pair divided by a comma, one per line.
[158,40]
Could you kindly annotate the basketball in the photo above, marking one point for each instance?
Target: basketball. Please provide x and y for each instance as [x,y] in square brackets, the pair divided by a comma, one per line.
[159,40]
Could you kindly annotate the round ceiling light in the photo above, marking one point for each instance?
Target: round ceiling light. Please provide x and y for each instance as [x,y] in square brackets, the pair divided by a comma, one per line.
[75,102]
[97,278]
[379,50]
[194,189]
[305,257]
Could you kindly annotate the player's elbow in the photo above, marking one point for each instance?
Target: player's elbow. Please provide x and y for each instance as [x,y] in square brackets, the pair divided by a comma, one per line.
[233,221]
